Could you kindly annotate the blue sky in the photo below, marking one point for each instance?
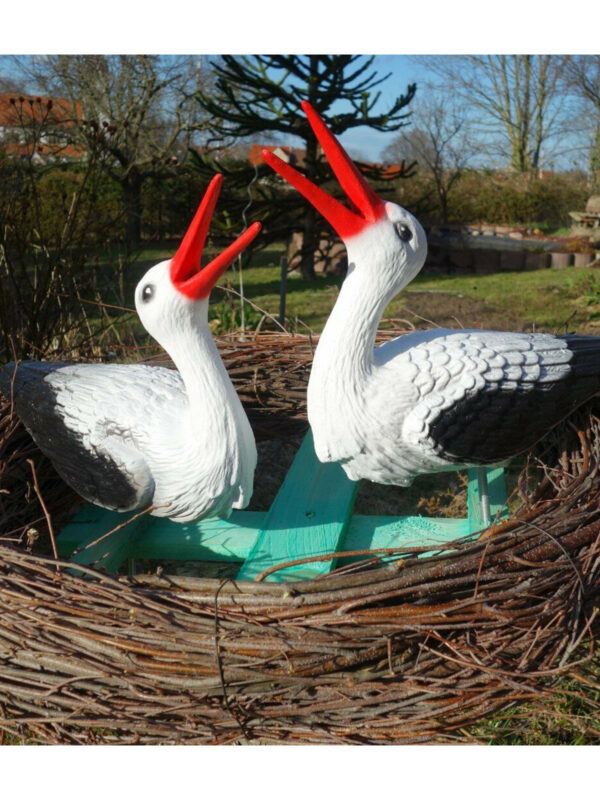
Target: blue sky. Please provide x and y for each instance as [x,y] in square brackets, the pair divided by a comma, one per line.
[404,71]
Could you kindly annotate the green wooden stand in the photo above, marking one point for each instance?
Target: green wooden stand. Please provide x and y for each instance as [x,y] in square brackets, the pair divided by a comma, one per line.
[311,516]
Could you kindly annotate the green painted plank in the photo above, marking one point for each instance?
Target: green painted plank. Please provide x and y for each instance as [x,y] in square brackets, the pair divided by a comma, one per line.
[78,530]
[497,496]
[373,532]
[87,535]
[212,539]
[233,539]
[308,517]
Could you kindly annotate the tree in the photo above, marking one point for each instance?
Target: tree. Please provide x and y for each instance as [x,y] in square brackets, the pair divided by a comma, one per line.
[138,109]
[52,217]
[583,77]
[440,144]
[262,94]
[518,95]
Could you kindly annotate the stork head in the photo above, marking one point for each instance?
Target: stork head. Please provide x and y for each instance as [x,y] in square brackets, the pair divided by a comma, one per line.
[175,292]
[381,237]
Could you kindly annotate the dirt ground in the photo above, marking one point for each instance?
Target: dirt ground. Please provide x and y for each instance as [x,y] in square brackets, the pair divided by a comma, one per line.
[443,495]
[453,311]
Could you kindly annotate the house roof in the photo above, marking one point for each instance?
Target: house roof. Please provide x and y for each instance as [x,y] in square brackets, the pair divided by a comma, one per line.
[291,155]
[385,172]
[21,109]
[296,157]
[24,150]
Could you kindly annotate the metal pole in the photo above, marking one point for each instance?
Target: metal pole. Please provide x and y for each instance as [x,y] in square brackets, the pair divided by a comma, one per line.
[282,290]
[484,496]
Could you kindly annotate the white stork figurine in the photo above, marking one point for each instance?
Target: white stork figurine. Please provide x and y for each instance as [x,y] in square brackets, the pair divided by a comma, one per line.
[127,436]
[432,400]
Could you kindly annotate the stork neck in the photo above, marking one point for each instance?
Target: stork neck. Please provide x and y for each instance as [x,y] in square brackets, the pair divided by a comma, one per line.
[348,339]
[209,390]
[200,366]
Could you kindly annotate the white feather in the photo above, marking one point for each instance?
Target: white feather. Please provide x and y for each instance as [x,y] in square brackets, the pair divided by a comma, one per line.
[372,409]
[180,441]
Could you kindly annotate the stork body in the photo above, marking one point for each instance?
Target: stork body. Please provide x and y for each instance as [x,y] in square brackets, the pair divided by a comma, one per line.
[127,436]
[433,400]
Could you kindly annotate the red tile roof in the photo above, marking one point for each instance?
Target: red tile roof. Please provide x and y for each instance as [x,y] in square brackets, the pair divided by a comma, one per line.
[21,150]
[386,171]
[295,155]
[21,109]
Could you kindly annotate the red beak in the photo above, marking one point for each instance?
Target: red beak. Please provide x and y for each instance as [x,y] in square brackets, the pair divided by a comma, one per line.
[187,274]
[367,207]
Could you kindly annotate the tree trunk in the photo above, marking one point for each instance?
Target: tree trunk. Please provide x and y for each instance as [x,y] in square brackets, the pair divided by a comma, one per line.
[520,161]
[595,161]
[444,206]
[132,192]
[309,231]
[309,245]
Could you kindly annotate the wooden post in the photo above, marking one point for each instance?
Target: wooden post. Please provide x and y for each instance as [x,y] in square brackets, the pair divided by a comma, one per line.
[282,290]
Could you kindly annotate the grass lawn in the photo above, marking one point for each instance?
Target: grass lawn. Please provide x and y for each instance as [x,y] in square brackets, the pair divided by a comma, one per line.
[546,299]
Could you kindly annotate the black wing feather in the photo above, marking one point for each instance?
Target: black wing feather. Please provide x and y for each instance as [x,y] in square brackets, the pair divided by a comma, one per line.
[95,476]
[499,421]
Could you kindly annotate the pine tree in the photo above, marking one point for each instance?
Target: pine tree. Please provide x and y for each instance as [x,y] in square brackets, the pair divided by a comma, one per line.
[262,94]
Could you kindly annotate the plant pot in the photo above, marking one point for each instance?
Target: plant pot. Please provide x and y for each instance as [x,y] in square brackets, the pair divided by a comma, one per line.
[512,260]
[583,259]
[561,260]
[536,260]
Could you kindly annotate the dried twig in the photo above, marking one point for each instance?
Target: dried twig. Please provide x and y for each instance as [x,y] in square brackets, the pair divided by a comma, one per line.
[44,509]
[366,654]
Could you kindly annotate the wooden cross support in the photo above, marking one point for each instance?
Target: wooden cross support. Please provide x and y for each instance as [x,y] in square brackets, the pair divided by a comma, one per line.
[310,516]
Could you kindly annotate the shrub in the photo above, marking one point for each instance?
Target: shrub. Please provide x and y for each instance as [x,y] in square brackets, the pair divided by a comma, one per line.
[499,198]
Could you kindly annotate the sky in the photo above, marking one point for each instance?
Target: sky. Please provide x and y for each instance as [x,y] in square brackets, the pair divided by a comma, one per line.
[366,142]
[563,152]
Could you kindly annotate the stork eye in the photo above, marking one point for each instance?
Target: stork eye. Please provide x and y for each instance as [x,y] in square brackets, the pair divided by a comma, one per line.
[404,232]
[148,292]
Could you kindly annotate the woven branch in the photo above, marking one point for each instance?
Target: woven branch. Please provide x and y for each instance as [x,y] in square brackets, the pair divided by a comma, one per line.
[411,650]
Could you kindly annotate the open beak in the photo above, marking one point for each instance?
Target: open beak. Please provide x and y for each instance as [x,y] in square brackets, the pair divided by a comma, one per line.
[187,274]
[367,207]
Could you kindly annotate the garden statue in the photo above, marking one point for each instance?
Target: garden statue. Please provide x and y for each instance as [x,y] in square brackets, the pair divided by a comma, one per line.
[127,436]
[432,400]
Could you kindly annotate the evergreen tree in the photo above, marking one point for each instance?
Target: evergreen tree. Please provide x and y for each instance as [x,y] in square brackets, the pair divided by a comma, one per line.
[262,94]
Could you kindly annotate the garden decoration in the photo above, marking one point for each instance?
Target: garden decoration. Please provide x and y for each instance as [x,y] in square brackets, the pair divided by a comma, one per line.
[129,436]
[437,624]
[406,647]
[432,400]
[428,401]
